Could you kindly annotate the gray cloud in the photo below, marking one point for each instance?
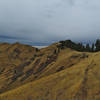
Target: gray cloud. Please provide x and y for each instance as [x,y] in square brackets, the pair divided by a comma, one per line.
[50,20]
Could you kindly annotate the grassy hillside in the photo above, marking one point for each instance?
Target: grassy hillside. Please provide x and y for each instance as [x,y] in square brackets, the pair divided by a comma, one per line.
[20,64]
[27,73]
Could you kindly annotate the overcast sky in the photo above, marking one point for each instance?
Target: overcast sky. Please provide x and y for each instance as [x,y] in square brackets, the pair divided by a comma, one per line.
[47,21]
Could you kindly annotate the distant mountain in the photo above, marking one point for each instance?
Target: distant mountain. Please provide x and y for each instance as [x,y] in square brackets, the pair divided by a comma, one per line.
[11,39]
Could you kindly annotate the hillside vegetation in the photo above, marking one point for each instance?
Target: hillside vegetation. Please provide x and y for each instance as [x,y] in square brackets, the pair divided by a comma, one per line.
[51,73]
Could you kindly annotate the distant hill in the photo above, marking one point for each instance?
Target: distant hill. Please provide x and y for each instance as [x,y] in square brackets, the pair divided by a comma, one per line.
[50,73]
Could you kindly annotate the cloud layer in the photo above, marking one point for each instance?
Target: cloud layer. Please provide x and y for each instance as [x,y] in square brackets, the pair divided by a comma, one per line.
[47,21]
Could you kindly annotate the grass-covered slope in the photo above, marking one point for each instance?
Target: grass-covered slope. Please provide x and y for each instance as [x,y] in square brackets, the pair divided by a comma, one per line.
[79,82]
[20,64]
[48,74]
[13,59]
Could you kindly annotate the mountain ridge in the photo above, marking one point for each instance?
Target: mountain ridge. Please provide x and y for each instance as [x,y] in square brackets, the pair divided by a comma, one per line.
[51,73]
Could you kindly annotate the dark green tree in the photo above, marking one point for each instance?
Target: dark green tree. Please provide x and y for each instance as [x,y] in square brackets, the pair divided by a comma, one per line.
[88,49]
[93,47]
[79,46]
[97,44]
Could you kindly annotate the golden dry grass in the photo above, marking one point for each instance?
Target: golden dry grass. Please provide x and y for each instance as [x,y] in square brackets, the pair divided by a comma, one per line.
[64,75]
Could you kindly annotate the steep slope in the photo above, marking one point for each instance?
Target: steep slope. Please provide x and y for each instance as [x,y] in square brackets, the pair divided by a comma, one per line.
[13,59]
[51,73]
[20,64]
[78,82]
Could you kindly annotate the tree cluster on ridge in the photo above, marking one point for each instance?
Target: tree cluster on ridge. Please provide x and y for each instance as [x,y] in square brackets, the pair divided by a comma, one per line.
[80,47]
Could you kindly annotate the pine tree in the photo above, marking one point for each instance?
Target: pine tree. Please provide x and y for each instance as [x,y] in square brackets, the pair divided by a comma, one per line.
[93,47]
[97,44]
[88,48]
